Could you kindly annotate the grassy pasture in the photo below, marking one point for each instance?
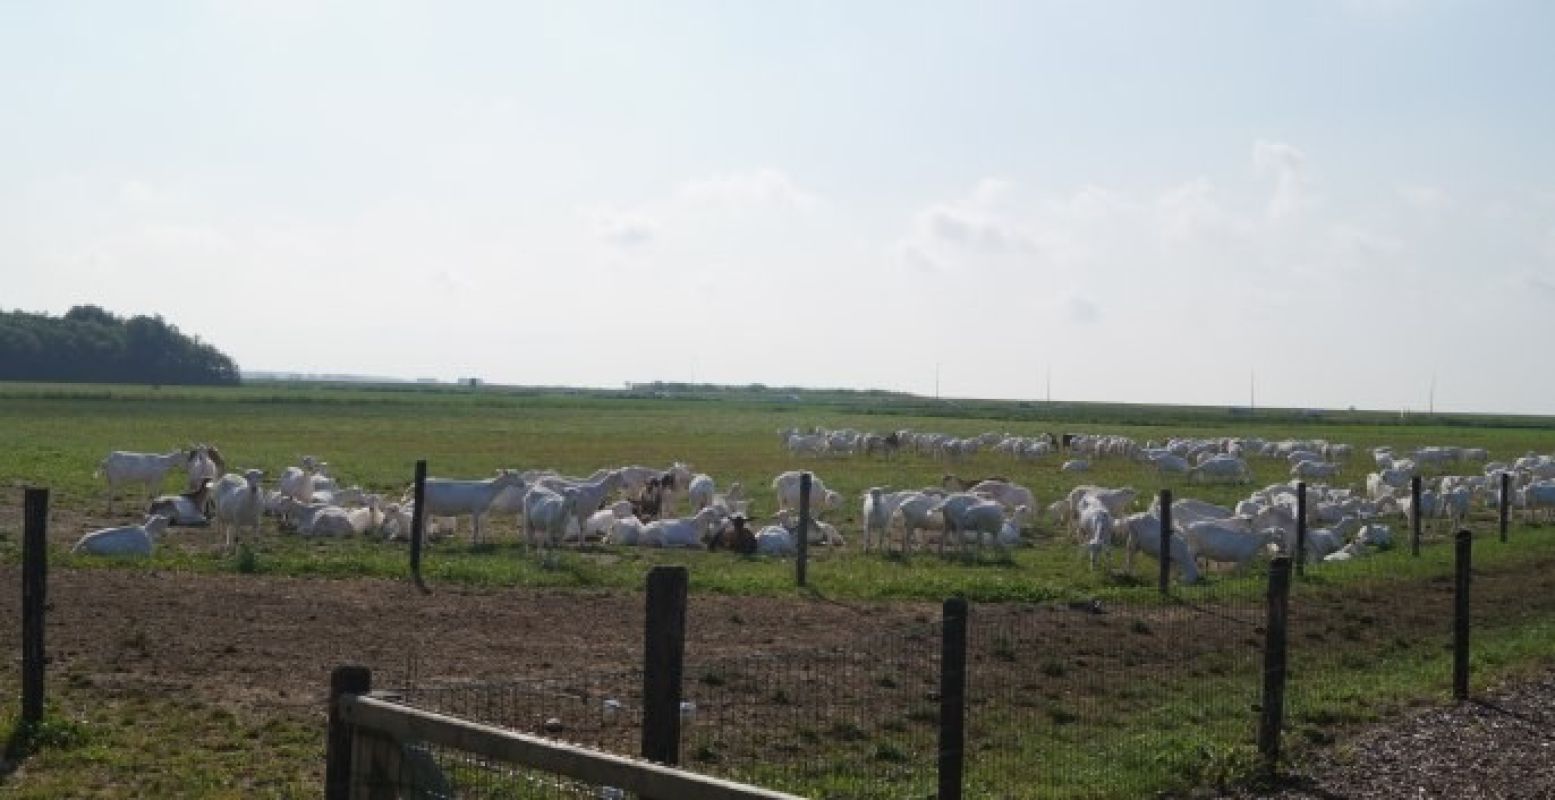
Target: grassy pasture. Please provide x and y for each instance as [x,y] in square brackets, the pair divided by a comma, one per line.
[54,436]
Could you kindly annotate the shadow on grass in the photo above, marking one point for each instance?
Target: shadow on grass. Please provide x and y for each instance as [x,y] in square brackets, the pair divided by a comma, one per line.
[25,739]
[18,745]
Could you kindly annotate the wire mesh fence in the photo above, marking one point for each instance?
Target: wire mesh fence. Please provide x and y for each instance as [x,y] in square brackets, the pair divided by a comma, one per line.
[600,710]
[1116,699]
[859,721]
[395,768]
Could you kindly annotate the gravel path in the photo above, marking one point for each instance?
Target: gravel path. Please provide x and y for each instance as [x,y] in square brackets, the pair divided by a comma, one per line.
[1500,745]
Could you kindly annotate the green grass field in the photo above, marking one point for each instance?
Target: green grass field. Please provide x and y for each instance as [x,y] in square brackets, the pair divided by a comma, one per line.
[54,436]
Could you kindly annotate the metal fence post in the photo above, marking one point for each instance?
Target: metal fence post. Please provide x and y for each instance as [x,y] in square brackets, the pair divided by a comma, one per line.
[664,650]
[1506,501]
[802,562]
[952,699]
[1414,516]
[1165,579]
[417,537]
[1460,615]
[1301,527]
[343,680]
[35,582]
[1274,660]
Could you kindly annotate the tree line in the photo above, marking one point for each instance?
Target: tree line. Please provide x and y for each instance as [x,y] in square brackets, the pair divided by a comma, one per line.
[90,344]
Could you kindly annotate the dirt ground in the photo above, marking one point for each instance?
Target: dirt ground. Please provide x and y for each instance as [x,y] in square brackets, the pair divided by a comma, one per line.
[260,640]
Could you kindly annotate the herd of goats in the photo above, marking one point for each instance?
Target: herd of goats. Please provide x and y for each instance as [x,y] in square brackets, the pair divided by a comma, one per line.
[636,505]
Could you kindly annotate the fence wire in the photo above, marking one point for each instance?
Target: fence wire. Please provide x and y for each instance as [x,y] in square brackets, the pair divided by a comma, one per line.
[1109,699]
[600,710]
[859,721]
[385,767]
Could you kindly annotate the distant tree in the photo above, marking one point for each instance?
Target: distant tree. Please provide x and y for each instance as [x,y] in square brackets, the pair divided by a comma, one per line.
[91,344]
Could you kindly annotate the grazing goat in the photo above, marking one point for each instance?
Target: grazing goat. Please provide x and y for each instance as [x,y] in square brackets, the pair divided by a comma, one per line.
[786,487]
[546,514]
[446,497]
[1142,532]
[122,467]
[590,495]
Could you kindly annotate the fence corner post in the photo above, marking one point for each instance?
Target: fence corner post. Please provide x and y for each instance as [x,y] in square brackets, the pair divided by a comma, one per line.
[1165,559]
[343,680]
[1301,527]
[1506,501]
[664,649]
[1463,557]
[35,589]
[952,699]
[417,537]
[1414,516]
[802,561]
[1272,716]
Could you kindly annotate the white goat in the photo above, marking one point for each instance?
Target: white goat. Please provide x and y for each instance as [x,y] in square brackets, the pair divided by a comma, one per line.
[122,466]
[239,502]
[205,464]
[1096,529]
[786,487]
[877,517]
[1142,532]
[459,497]
[129,540]
[687,533]
[700,491]
[588,495]
[1228,542]
[546,514]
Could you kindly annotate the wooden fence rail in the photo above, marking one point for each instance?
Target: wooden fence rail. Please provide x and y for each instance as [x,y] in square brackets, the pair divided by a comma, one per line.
[379,722]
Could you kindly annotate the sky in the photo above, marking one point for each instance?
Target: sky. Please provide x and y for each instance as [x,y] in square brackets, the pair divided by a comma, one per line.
[1323,204]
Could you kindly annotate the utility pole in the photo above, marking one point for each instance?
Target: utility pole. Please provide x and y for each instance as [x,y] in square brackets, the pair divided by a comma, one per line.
[1430,399]
[1050,383]
[1252,389]
[936,380]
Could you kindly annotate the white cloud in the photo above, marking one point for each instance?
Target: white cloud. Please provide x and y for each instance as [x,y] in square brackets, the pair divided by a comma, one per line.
[625,229]
[1081,310]
[1365,244]
[967,228]
[1190,212]
[1540,284]
[1287,166]
[1425,198]
[765,187]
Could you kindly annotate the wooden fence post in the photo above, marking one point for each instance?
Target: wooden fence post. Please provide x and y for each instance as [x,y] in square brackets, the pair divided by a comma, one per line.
[952,699]
[664,649]
[1274,660]
[343,680]
[1165,578]
[1506,501]
[1460,615]
[1414,516]
[1301,527]
[802,562]
[417,536]
[35,583]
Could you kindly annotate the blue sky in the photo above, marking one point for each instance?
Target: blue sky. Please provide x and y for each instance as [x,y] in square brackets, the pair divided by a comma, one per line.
[1150,200]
